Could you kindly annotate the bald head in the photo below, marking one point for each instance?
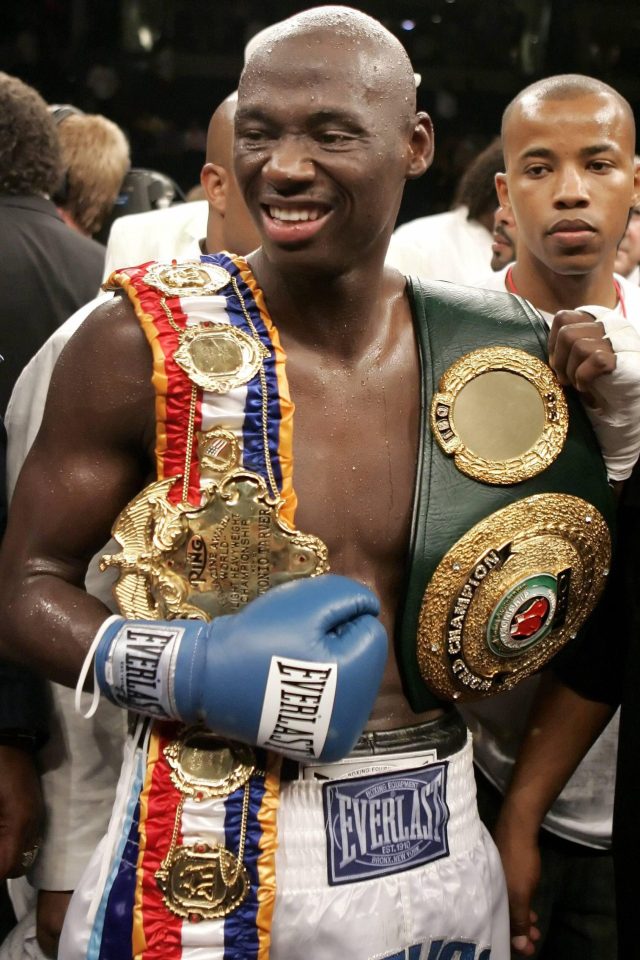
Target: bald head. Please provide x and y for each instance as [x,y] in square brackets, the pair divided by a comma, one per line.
[383,66]
[563,87]
[220,133]
[229,226]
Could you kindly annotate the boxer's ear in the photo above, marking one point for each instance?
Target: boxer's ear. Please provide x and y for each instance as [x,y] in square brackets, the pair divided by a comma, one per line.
[421,146]
[502,189]
[214,182]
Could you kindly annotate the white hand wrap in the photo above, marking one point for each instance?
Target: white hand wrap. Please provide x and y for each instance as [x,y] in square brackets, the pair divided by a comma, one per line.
[616,420]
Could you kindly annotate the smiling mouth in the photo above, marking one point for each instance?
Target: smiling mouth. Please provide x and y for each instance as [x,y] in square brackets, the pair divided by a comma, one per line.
[293,215]
[295,222]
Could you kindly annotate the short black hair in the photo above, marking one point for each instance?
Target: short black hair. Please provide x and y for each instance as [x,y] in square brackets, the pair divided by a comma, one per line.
[567,86]
[30,163]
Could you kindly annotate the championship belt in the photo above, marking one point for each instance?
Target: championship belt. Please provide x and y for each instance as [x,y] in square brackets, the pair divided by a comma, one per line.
[510,545]
[214,531]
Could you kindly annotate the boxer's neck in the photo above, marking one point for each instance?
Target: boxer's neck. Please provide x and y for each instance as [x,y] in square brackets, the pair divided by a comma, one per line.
[341,314]
[551,291]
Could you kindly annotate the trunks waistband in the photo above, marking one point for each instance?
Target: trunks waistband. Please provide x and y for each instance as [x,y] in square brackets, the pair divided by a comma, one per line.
[443,736]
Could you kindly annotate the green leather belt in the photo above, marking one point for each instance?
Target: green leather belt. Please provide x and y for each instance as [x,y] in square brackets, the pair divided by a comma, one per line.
[452,321]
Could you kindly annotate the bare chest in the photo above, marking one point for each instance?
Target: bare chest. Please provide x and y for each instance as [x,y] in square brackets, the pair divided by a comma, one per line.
[355,447]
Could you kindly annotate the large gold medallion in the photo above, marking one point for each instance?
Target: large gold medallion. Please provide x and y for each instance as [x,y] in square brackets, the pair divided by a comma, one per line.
[218,356]
[188,278]
[203,881]
[201,562]
[501,414]
[510,593]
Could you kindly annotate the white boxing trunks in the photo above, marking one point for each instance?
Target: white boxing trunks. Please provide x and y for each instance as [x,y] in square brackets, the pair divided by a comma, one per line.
[380,857]
[388,859]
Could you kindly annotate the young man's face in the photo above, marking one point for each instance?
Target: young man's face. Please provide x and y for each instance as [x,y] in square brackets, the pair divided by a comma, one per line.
[570,180]
[321,155]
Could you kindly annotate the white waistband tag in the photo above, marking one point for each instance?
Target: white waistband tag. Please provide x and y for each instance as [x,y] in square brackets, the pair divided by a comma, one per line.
[367,766]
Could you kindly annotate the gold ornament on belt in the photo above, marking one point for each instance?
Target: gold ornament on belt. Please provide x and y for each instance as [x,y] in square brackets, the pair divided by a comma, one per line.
[501,414]
[202,562]
[218,356]
[510,593]
[204,880]
[218,452]
[189,278]
[204,766]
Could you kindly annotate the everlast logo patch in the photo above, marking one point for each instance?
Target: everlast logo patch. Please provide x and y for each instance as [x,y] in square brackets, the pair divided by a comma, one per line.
[297,707]
[385,824]
[443,950]
[137,673]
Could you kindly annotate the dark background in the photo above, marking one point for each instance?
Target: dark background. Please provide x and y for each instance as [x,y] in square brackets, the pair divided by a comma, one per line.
[159,67]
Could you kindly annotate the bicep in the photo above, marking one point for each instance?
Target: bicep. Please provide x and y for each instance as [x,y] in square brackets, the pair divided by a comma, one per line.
[91,456]
[91,453]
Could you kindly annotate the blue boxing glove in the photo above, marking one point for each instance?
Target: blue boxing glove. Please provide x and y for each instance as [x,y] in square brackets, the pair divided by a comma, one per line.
[297,670]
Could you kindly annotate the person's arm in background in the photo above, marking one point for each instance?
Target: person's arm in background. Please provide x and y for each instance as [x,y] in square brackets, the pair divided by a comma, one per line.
[562,727]
[23,728]
[582,690]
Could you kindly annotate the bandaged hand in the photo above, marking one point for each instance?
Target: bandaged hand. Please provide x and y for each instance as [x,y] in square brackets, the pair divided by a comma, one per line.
[597,351]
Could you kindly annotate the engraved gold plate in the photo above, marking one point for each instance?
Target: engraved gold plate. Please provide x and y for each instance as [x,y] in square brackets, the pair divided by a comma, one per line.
[218,356]
[510,593]
[501,414]
[202,562]
[203,882]
[188,278]
[204,766]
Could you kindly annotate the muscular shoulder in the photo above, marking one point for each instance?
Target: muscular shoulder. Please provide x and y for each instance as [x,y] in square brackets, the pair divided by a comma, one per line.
[102,380]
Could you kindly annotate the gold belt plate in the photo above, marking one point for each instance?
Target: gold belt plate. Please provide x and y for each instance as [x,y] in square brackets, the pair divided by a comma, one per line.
[219,357]
[204,766]
[501,414]
[510,594]
[203,562]
[203,882]
[189,278]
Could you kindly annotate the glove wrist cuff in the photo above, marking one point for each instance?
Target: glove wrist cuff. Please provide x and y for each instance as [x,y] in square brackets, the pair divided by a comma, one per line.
[136,664]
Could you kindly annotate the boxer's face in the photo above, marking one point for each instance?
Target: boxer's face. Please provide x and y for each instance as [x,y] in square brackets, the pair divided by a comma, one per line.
[322,152]
[570,179]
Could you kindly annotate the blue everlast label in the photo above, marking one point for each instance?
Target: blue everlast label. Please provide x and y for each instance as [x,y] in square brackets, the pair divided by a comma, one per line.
[385,824]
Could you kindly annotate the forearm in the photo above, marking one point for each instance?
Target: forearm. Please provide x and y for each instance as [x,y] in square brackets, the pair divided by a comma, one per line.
[561,729]
[49,624]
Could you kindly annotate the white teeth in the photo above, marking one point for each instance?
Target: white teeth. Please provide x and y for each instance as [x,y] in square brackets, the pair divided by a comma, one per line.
[280,213]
